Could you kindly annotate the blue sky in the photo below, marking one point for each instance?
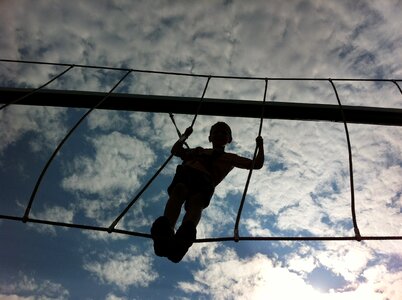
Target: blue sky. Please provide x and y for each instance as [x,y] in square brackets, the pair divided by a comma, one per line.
[303,188]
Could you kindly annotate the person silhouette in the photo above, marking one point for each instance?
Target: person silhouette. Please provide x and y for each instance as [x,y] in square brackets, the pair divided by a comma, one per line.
[193,185]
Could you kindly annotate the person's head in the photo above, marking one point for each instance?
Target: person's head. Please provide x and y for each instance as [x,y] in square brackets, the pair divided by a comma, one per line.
[220,134]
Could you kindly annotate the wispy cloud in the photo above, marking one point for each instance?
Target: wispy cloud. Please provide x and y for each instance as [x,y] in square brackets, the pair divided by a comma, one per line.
[257,279]
[111,296]
[55,213]
[123,269]
[26,287]
[15,122]
[219,276]
[119,163]
[304,185]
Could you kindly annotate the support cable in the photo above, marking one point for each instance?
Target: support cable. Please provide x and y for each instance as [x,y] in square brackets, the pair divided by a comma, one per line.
[177,128]
[352,189]
[114,223]
[37,89]
[26,214]
[201,101]
[174,123]
[397,85]
[236,228]
[203,240]
[197,75]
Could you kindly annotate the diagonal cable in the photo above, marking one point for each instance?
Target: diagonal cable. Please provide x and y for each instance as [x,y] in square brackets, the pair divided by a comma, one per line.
[144,188]
[37,89]
[28,209]
[177,128]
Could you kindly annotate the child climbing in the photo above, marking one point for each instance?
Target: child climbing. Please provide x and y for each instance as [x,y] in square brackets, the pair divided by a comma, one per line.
[193,185]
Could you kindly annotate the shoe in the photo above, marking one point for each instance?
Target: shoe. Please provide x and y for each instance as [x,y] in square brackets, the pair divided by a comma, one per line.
[183,240]
[162,235]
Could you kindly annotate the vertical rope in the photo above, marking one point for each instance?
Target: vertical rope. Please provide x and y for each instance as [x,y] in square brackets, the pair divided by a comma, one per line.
[352,189]
[236,228]
[28,209]
[114,223]
[37,89]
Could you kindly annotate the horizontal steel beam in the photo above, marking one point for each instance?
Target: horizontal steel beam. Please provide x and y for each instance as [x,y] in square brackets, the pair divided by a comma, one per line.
[214,107]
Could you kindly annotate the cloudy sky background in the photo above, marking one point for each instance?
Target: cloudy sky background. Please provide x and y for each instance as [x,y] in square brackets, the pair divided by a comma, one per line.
[303,189]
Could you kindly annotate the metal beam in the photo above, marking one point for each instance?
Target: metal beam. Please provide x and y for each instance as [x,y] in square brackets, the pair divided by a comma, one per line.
[215,107]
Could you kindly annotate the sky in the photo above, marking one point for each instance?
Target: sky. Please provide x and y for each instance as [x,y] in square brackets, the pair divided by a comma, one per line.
[302,190]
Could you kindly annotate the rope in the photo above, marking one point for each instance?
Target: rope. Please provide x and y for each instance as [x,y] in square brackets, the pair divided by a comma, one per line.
[26,214]
[398,86]
[352,189]
[197,75]
[236,228]
[200,102]
[203,240]
[236,237]
[114,223]
[177,129]
[35,90]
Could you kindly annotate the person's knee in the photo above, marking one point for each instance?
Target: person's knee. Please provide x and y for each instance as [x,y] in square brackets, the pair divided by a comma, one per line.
[195,203]
[180,191]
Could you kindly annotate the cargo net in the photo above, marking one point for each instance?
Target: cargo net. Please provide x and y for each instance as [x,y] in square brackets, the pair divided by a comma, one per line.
[263,107]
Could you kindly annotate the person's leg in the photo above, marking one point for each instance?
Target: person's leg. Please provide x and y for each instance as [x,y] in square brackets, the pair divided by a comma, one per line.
[174,203]
[162,230]
[194,207]
[187,232]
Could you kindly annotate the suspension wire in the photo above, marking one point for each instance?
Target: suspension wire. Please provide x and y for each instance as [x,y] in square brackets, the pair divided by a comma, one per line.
[397,85]
[352,189]
[202,240]
[114,223]
[236,228]
[198,75]
[174,123]
[177,128]
[26,214]
[37,89]
[201,101]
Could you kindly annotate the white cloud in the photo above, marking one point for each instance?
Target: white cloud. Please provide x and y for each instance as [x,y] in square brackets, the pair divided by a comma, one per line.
[301,263]
[346,259]
[308,190]
[111,296]
[380,278]
[255,228]
[25,287]
[55,213]
[230,277]
[123,269]
[119,163]
[254,278]
[106,120]
[105,181]
[179,37]
[46,123]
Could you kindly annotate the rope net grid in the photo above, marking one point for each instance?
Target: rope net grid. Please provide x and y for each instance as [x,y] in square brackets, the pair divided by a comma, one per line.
[236,237]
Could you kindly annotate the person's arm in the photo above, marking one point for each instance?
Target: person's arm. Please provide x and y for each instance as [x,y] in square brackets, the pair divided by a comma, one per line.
[177,149]
[246,163]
